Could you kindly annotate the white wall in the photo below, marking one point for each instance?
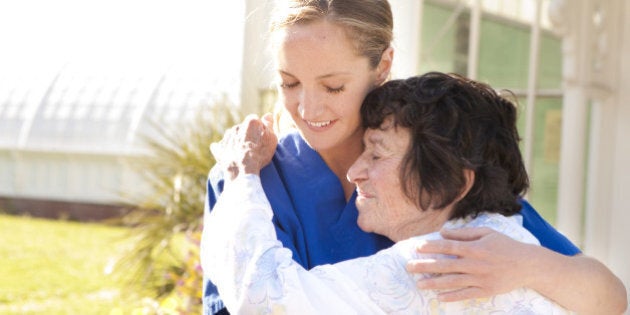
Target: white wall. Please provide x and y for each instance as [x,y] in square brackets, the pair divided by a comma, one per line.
[63,176]
[596,43]
[619,254]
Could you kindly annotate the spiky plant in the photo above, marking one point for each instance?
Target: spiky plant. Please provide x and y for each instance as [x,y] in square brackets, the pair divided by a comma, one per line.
[166,221]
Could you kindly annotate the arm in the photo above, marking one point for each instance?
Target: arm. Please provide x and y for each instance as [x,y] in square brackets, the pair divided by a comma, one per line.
[240,251]
[212,302]
[490,263]
[252,270]
[586,285]
[255,274]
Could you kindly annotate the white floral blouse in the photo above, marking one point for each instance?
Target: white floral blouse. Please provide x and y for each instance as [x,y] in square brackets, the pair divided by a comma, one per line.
[256,275]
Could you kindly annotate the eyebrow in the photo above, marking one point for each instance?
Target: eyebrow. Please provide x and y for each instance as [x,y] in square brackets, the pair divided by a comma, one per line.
[285,73]
[377,141]
[324,76]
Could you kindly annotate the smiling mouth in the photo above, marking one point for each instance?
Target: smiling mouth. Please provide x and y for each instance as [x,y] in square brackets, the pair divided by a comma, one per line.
[319,124]
[362,194]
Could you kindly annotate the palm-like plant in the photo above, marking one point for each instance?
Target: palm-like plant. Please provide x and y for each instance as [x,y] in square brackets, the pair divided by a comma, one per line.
[166,221]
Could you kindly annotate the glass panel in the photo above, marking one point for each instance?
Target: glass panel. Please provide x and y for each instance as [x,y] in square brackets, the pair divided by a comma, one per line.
[543,192]
[438,40]
[550,62]
[503,54]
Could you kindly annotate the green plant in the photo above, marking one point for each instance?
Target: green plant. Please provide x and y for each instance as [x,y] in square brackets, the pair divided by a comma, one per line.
[163,252]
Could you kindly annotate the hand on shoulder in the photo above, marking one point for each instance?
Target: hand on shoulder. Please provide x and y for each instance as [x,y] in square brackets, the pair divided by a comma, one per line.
[487,263]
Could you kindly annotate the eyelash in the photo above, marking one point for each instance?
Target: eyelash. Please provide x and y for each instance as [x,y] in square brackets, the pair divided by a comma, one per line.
[328,89]
[335,90]
[289,85]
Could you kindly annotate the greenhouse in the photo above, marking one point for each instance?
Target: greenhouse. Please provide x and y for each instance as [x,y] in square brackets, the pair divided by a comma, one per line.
[71,118]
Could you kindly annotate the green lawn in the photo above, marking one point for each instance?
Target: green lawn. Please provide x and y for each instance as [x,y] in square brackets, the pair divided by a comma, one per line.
[59,267]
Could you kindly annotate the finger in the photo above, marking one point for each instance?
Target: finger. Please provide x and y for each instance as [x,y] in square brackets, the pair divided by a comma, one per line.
[465,234]
[449,282]
[445,247]
[462,294]
[237,129]
[255,129]
[436,266]
[249,118]
[269,134]
[267,120]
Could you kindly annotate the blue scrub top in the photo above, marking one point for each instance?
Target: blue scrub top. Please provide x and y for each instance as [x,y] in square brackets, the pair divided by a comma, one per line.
[313,219]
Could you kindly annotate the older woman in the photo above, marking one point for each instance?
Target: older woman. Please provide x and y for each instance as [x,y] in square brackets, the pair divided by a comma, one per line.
[440,151]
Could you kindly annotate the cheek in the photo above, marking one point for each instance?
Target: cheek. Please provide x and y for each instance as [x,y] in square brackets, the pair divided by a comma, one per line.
[350,107]
[289,100]
[392,196]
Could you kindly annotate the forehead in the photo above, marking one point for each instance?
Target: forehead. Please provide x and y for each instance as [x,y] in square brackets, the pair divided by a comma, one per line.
[322,43]
[388,137]
[317,31]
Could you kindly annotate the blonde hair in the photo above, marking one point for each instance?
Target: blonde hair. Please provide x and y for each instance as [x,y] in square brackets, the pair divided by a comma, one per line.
[368,23]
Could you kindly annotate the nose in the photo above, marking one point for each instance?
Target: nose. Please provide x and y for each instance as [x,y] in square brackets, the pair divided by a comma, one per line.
[357,171]
[310,107]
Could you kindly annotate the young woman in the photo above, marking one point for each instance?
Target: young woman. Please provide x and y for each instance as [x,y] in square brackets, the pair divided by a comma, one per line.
[330,54]
[439,150]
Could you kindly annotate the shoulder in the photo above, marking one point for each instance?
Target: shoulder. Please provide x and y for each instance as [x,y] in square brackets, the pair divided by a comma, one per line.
[511,226]
[291,142]
[293,151]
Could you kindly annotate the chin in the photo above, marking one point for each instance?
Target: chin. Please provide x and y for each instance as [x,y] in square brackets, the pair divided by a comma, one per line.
[313,141]
[364,226]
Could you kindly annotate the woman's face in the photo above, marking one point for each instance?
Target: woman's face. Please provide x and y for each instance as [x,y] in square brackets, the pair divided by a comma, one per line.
[323,83]
[383,206]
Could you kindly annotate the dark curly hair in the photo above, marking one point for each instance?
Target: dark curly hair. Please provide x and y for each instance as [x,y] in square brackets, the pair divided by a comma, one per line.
[455,124]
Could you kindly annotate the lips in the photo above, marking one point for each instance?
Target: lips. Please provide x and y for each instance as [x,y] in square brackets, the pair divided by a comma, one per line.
[363,194]
[318,124]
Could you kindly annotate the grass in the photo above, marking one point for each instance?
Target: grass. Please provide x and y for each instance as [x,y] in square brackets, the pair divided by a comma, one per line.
[60,267]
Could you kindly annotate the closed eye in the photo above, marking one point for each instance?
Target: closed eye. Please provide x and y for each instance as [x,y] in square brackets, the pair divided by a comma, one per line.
[335,90]
[289,85]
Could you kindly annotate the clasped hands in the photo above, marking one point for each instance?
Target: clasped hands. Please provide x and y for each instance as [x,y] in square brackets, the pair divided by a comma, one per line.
[247,147]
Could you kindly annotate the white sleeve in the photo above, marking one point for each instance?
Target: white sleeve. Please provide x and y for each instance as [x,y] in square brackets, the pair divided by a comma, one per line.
[255,274]
[383,278]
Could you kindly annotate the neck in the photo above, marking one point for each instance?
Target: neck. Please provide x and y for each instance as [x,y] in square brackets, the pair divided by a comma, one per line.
[429,222]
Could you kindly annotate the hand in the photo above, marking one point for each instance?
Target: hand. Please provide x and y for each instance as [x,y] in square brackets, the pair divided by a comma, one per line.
[487,263]
[247,147]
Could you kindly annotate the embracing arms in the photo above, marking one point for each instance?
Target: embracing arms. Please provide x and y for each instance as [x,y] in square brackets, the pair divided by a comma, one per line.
[240,252]
[490,263]
[254,273]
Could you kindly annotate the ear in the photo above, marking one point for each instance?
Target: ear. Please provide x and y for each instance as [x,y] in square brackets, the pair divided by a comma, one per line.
[384,67]
[469,177]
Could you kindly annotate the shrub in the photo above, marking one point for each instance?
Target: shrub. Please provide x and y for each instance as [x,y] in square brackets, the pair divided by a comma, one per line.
[163,244]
